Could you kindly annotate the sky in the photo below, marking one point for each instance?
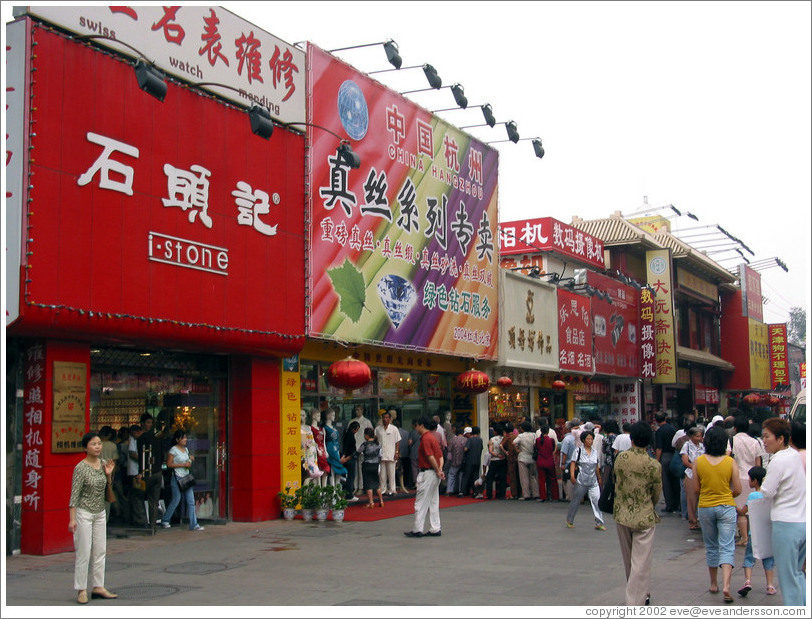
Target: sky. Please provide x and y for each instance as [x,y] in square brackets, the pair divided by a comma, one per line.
[703,105]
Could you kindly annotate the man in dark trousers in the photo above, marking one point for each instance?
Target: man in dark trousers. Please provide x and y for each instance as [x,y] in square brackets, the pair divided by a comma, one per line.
[664,451]
[471,461]
[150,460]
[430,474]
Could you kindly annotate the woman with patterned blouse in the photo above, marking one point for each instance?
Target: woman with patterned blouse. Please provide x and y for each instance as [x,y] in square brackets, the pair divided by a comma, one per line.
[88,521]
[638,484]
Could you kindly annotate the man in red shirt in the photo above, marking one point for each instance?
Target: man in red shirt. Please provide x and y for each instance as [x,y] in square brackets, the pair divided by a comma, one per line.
[430,467]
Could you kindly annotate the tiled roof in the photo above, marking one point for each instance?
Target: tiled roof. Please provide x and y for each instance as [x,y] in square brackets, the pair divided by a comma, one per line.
[615,231]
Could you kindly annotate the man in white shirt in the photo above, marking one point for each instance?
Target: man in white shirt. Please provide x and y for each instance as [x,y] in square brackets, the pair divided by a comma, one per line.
[389,438]
[623,441]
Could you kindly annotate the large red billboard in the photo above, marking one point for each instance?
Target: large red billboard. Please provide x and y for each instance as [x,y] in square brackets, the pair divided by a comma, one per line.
[403,249]
[167,221]
[615,326]
[529,236]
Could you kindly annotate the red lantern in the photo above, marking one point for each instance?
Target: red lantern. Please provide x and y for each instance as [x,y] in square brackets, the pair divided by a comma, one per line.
[349,373]
[774,400]
[504,381]
[752,399]
[559,385]
[473,381]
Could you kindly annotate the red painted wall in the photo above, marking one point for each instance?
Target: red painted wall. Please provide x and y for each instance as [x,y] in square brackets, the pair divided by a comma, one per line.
[735,340]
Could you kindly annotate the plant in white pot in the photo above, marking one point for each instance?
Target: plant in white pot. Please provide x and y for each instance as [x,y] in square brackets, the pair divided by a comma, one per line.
[325,502]
[310,499]
[339,503]
[288,501]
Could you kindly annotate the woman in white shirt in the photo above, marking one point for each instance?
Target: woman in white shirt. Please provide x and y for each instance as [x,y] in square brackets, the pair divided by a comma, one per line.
[785,484]
[691,450]
[180,460]
[586,461]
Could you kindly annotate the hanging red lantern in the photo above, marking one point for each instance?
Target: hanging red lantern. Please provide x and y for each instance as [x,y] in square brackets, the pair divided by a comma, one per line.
[752,399]
[504,381]
[349,373]
[559,385]
[473,381]
[774,400]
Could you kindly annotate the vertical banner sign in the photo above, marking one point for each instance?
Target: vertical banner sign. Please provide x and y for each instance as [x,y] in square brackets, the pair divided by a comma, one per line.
[625,400]
[574,333]
[648,344]
[802,369]
[779,366]
[403,248]
[752,301]
[658,266]
[33,425]
[15,135]
[70,392]
[759,355]
[291,436]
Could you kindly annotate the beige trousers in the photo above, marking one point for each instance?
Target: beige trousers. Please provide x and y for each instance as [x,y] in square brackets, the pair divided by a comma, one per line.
[636,548]
[90,542]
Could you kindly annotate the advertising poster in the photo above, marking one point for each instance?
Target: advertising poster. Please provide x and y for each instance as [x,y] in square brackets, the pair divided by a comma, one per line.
[648,356]
[626,400]
[752,301]
[615,327]
[158,219]
[70,392]
[528,236]
[403,249]
[759,355]
[574,333]
[291,423]
[658,264]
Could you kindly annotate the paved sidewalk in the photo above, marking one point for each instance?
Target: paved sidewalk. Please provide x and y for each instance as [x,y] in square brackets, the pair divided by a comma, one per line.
[491,553]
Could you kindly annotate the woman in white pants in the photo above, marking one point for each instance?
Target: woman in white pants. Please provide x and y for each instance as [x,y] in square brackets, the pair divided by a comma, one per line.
[88,522]
[586,483]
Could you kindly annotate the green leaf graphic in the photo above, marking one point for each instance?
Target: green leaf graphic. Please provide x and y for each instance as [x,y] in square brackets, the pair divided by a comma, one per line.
[348,282]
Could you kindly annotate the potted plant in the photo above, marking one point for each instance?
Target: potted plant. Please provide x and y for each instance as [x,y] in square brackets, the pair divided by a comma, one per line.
[309,497]
[288,500]
[339,503]
[324,502]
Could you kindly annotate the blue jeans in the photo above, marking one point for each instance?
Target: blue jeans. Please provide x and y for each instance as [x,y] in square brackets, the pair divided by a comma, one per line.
[190,503]
[750,560]
[789,545]
[683,499]
[718,532]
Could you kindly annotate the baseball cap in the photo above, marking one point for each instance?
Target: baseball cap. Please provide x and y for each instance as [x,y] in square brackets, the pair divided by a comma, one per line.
[467,430]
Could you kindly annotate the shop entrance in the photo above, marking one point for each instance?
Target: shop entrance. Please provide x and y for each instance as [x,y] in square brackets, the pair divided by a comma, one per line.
[180,391]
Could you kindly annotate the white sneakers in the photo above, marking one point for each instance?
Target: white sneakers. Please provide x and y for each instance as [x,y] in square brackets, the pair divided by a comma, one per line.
[199,528]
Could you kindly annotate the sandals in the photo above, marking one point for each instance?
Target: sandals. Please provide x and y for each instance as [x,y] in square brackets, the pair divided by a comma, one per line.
[771,590]
[728,598]
[370,506]
[746,588]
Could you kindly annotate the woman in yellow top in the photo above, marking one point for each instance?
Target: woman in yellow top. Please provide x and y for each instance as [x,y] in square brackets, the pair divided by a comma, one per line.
[716,482]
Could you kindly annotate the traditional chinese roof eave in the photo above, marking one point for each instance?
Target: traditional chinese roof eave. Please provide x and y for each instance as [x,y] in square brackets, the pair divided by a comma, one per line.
[615,231]
[694,260]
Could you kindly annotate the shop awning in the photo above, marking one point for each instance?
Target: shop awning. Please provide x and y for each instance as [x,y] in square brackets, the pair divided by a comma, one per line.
[705,358]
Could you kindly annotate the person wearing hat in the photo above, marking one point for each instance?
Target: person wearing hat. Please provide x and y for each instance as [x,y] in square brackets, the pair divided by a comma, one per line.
[456,453]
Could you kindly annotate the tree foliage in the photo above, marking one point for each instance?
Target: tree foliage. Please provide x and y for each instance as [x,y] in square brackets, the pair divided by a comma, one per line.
[797,326]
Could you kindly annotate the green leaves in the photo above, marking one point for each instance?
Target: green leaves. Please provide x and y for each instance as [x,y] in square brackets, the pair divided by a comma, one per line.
[348,282]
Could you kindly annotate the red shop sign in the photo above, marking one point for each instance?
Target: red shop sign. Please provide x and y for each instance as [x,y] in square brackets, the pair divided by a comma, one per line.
[574,333]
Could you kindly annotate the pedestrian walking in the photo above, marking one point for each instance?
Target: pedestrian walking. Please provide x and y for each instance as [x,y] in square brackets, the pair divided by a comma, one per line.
[91,483]
[370,450]
[179,462]
[716,481]
[584,475]
[638,485]
[429,476]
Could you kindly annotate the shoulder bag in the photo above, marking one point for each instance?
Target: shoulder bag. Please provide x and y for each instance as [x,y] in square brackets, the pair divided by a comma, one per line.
[186,482]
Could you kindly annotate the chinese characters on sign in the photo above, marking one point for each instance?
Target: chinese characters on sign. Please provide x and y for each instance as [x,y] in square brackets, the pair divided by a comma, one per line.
[574,333]
[529,330]
[33,425]
[548,234]
[658,263]
[779,360]
[291,436]
[70,394]
[625,401]
[201,44]
[648,343]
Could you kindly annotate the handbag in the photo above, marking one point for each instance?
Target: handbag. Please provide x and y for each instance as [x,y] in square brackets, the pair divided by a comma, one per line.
[186,482]
[606,502]
[676,467]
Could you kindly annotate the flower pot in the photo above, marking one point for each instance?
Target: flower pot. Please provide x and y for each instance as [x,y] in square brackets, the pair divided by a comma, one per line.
[321,514]
[338,515]
[307,514]
[289,513]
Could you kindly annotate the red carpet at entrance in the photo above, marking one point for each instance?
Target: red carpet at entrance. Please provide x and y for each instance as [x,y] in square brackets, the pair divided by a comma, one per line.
[396,507]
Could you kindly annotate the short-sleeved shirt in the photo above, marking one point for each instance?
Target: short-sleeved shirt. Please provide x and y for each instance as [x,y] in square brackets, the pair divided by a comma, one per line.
[371,451]
[693,451]
[638,484]
[473,451]
[456,450]
[388,437]
[181,456]
[429,446]
[87,490]
[663,436]
[587,466]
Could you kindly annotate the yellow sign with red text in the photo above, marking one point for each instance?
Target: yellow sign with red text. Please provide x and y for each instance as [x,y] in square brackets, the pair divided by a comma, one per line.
[659,277]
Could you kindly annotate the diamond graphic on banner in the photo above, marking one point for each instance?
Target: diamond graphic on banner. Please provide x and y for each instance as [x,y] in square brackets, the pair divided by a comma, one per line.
[352,110]
[398,297]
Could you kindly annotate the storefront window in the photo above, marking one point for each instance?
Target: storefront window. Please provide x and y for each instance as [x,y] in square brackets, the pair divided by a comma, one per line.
[180,392]
[508,404]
